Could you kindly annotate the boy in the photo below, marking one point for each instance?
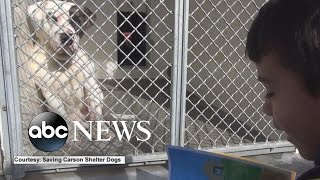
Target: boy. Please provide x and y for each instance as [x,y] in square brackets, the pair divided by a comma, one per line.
[284,44]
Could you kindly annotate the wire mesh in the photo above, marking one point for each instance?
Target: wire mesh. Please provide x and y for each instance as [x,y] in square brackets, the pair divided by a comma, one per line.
[130,93]
[223,97]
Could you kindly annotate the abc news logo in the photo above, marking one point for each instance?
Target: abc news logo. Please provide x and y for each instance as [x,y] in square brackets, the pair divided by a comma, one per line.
[48,131]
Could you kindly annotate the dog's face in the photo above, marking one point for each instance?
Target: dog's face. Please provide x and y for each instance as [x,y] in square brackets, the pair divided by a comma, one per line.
[59,25]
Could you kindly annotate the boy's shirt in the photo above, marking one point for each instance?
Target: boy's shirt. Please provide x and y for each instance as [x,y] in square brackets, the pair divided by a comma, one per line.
[317,161]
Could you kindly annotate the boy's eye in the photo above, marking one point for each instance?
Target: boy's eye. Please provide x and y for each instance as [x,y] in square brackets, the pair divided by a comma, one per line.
[269,95]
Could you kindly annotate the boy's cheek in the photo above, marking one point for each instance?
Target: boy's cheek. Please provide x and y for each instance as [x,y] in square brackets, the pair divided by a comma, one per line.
[283,118]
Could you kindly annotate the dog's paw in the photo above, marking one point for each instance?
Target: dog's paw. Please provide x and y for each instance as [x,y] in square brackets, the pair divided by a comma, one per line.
[92,116]
[73,117]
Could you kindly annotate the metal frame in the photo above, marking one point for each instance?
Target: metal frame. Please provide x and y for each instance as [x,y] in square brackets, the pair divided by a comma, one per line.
[11,120]
[5,150]
[179,67]
[176,73]
[184,70]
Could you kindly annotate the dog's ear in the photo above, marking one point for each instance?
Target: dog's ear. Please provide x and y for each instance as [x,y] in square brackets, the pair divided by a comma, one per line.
[81,19]
[35,18]
[92,16]
[31,9]
[36,13]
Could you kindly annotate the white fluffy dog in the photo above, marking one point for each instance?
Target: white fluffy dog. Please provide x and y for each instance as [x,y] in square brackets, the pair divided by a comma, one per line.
[62,70]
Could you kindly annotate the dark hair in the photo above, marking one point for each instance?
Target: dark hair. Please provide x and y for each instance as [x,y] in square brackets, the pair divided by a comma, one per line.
[291,30]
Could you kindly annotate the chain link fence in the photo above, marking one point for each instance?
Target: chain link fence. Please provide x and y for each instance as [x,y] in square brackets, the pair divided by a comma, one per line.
[223,99]
[132,47]
[131,92]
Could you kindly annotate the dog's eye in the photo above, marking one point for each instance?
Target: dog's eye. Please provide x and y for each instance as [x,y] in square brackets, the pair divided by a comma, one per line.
[54,18]
[51,16]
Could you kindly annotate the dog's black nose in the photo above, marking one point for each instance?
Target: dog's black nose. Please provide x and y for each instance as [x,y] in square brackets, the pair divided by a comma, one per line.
[66,39]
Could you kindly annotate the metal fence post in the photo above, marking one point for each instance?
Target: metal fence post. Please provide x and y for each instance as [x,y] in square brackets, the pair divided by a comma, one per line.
[5,149]
[179,68]
[184,62]
[176,76]
[11,121]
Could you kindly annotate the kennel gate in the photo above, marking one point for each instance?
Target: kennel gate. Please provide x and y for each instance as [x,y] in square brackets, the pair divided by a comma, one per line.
[197,89]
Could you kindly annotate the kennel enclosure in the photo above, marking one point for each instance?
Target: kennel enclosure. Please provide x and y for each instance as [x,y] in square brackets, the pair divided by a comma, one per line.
[181,66]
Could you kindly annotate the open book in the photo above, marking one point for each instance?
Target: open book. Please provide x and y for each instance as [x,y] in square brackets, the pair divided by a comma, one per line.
[190,164]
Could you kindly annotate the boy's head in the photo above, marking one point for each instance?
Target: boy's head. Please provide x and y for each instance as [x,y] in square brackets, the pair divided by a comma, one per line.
[284,43]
